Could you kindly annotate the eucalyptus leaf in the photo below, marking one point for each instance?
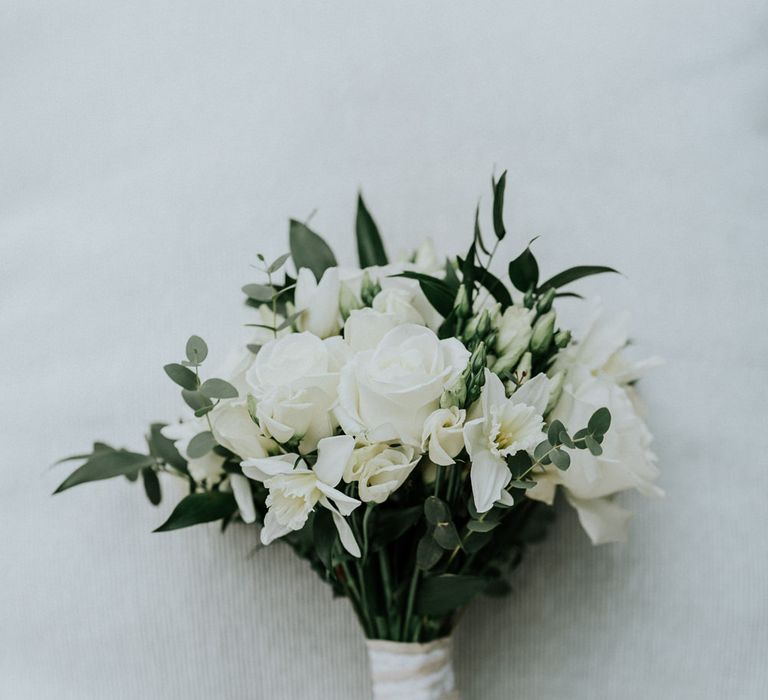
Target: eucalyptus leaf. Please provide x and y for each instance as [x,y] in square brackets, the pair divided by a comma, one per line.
[183,376]
[195,400]
[200,508]
[201,444]
[519,463]
[196,350]
[476,541]
[436,510]
[370,249]
[600,421]
[428,552]
[553,432]
[593,446]
[309,250]
[391,525]
[446,536]
[560,459]
[481,525]
[278,262]
[259,292]
[218,389]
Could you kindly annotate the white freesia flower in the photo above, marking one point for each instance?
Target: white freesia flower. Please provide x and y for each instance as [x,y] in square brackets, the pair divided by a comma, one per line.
[399,302]
[514,334]
[295,489]
[318,303]
[379,470]
[386,393]
[505,426]
[626,462]
[365,328]
[443,432]
[207,470]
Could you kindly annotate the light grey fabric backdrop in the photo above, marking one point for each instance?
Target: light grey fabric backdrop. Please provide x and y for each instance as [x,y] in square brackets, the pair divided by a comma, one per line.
[150,149]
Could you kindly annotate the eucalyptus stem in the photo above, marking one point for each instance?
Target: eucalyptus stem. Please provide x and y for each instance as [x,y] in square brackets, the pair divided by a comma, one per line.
[411,600]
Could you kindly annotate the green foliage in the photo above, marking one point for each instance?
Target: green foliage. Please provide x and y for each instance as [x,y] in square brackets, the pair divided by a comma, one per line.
[495,287]
[391,524]
[370,249]
[259,292]
[446,536]
[524,271]
[200,508]
[443,594]
[428,552]
[196,350]
[106,463]
[498,206]
[309,250]
[197,401]
[324,535]
[436,511]
[572,274]
[151,485]
[438,293]
[183,376]
[201,444]
[218,389]
[163,449]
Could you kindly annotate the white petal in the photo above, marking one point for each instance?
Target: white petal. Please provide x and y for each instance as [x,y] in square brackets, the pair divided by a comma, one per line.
[489,475]
[601,518]
[506,498]
[346,504]
[345,534]
[535,392]
[493,393]
[262,468]
[241,488]
[333,453]
[272,529]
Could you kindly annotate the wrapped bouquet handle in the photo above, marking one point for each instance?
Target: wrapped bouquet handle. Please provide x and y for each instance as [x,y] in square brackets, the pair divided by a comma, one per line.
[404,428]
[412,671]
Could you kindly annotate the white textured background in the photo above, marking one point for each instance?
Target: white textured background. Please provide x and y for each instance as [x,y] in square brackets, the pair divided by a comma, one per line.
[149,150]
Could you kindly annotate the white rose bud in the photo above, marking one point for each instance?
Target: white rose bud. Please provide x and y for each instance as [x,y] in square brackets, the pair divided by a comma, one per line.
[443,432]
[398,302]
[379,470]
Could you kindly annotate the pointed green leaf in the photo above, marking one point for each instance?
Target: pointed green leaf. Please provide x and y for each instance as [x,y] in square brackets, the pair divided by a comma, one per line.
[151,485]
[309,250]
[495,286]
[438,293]
[370,249]
[574,273]
[498,206]
[106,465]
[278,262]
[524,271]
[200,508]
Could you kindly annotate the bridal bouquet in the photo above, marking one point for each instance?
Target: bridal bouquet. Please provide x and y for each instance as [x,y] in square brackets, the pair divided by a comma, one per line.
[404,427]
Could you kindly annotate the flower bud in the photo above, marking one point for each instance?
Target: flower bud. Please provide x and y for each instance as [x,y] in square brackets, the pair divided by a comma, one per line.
[348,302]
[528,299]
[477,361]
[368,289]
[456,394]
[556,382]
[523,368]
[461,305]
[542,332]
[484,324]
[508,361]
[562,338]
[545,303]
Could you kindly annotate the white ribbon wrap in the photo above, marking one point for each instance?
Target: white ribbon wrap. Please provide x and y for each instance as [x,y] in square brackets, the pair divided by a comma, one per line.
[403,671]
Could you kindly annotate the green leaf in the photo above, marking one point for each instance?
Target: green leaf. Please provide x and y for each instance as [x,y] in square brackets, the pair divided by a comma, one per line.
[164,449]
[495,286]
[498,206]
[201,444]
[478,234]
[561,459]
[574,273]
[195,400]
[578,437]
[97,447]
[309,250]
[436,511]
[438,293]
[600,421]
[541,449]
[324,535]
[196,350]
[481,525]
[441,595]
[370,249]
[183,376]
[392,524]
[593,445]
[218,389]
[106,465]
[565,439]
[151,485]
[518,484]
[259,292]
[446,536]
[476,541]
[524,270]
[254,348]
[428,552]
[278,262]
[553,432]
[200,508]
[519,463]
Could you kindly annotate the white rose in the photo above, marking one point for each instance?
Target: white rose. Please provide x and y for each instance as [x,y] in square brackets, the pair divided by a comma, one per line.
[386,394]
[318,303]
[304,414]
[514,335]
[626,462]
[234,429]
[365,328]
[399,303]
[444,433]
[379,470]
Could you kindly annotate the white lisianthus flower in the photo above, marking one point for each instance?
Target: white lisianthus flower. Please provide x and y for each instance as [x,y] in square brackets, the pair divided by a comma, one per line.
[233,428]
[443,432]
[380,470]
[386,393]
[595,375]
[398,302]
[514,334]
[318,303]
[295,489]
[505,426]
[365,328]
